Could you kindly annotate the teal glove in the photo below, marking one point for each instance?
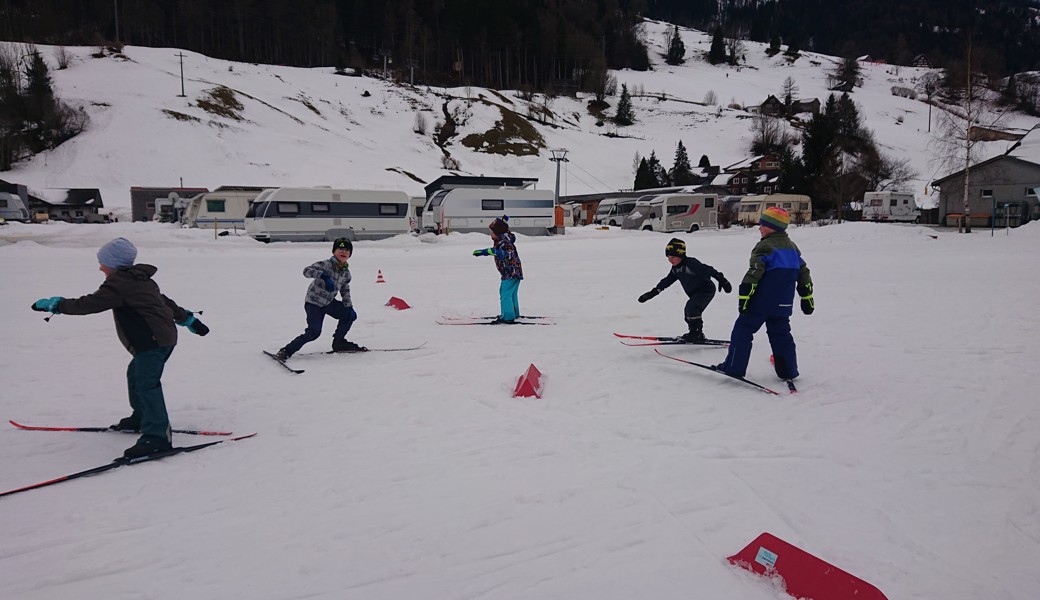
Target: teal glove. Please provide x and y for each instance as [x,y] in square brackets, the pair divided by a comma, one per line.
[187,322]
[484,252]
[48,304]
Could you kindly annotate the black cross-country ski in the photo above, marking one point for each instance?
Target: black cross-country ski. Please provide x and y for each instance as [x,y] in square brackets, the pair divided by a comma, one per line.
[409,349]
[120,462]
[282,362]
[655,340]
[110,430]
[714,370]
[519,321]
[488,318]
[790,386]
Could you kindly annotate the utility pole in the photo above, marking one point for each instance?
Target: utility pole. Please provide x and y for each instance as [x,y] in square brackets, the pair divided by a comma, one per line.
[115,8]
[181,55]
[412,63]
[559,155]
[385,55]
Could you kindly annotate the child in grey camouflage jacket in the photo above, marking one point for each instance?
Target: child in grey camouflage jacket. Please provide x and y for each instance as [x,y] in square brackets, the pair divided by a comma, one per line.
[331,276]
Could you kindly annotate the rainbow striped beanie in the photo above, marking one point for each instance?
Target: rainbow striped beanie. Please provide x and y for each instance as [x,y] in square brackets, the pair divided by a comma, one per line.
[776,218]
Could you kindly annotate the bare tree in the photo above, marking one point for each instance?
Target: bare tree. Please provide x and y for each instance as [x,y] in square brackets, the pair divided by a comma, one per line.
[789,89]
[62,57]
[420,123]
[930,84]
[959,124]
[769,135]
[711,98]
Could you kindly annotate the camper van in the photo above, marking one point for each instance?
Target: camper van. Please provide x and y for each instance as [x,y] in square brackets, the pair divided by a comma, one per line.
[612,211]
[751,207]
[324,214]
[223,208]
[682,212]
[465,209]
[890,206]
[639,213]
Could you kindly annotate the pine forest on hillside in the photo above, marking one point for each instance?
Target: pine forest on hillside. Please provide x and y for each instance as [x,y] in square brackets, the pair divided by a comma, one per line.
[529,44]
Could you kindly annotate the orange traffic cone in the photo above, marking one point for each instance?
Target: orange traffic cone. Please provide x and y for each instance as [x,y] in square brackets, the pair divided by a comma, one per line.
[379,276]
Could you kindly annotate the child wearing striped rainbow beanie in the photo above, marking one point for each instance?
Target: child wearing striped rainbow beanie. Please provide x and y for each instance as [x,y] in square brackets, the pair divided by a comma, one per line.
[775,218]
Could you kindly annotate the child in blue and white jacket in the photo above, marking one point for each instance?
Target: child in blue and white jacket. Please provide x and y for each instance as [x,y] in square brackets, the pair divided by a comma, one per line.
[507,260]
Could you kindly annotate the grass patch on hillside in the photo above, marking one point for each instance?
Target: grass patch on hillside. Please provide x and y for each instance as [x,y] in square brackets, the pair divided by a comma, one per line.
[180,116]
[511,135]
[222,102]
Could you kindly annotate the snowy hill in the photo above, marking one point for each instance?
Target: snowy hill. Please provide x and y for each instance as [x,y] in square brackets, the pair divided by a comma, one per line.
[281,126]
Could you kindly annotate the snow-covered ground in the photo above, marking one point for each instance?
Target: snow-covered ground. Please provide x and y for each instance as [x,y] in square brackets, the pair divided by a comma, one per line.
[910,457]
[307,127]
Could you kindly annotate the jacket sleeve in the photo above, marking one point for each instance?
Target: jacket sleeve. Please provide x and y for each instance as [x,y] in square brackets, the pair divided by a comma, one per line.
[668,280]
[757,264]
[179,314]
[105,298]
[314,271]
[804,279]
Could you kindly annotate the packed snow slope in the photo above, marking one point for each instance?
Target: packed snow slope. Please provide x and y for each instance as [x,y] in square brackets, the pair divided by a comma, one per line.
[910,457]
[263,125]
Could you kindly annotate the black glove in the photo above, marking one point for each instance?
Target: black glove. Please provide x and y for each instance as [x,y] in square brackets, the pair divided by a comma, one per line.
[648,295]
[808,304]
[724,286]
[198,327]
[744,296]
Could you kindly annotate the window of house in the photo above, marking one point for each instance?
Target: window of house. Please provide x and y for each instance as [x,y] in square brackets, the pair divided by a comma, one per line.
[288,208]
[987,193]
[767,189]
[321,207]
[214,206]
[388,209]
[492,205]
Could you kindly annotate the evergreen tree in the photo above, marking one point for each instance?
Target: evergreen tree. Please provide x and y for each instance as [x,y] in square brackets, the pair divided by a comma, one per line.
[717,52]
[774,45]
[682,174]
[645,178]
[846,118]
[704,162]
[660,176]
[676,49]
[625,114]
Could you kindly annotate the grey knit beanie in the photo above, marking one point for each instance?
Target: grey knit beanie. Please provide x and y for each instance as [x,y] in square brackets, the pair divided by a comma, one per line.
[117,254]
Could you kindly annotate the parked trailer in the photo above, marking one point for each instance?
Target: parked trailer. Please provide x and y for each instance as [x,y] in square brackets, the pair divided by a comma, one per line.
[682,212]
[221,208]
[13,206]
[473,209]
[324,214]
[798,205]
[890,206]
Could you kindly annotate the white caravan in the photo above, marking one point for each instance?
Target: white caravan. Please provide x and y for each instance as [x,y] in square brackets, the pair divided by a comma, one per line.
[890,206]
[221,208]
[473,209]
[323,214]
[12,207]
[682,212]
[798,205]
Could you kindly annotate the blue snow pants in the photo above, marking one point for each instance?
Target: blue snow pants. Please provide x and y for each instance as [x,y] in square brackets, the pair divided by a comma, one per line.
[507,296]
[144,384]
[785,359]
[316,317]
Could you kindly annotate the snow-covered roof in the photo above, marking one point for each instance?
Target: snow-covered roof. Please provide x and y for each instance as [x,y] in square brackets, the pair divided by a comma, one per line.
[1028,148]
[721,179]
[746,163]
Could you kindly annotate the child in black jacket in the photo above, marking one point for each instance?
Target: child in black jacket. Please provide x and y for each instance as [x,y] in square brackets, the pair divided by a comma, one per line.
[696,280]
